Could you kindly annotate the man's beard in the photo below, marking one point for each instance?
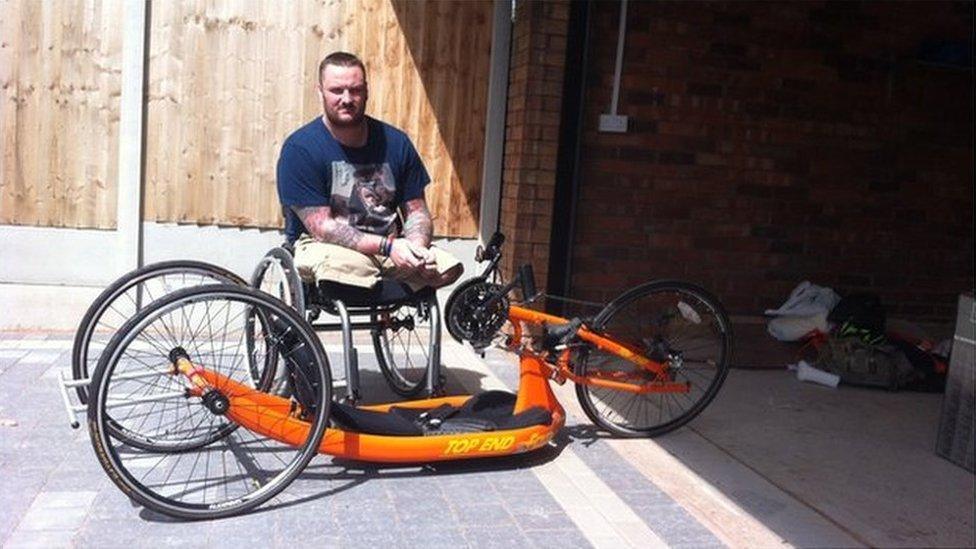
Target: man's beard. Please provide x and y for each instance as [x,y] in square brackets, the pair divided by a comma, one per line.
[341,123]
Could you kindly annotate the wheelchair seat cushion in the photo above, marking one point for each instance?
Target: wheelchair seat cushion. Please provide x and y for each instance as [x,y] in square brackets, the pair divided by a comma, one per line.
[385,292]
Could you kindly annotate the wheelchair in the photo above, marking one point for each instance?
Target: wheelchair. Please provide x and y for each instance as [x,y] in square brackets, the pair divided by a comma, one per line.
[404,326]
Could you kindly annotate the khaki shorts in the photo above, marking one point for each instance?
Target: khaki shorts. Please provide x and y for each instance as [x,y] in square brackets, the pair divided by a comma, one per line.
[318,261]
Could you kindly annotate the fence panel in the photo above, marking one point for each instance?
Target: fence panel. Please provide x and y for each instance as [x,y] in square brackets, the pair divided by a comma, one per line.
[60,82]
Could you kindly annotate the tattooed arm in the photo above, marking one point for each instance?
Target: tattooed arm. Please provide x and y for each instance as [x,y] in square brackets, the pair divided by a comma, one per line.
[325,228]
[417,227]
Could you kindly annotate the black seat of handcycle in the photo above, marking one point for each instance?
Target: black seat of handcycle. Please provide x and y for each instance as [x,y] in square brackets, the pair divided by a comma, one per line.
[488,411]
[384,293]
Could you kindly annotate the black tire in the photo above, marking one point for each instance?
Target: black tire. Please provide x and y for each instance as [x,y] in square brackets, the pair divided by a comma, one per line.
[403,352]
[125,297]
[697,336]
[276,275]
[237,470]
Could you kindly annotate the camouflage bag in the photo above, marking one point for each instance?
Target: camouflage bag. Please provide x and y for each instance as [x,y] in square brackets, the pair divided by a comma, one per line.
[860,363]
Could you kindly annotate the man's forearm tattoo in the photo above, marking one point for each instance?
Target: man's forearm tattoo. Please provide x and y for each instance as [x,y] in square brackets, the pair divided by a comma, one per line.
[344,235]
[322,226]
[418,226]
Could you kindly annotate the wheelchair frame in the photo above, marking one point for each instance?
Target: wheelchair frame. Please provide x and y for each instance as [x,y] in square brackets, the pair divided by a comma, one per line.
[310,301]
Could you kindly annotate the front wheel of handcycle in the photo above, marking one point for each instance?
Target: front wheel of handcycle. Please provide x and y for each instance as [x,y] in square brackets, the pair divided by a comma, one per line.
[180,374]
[676,324]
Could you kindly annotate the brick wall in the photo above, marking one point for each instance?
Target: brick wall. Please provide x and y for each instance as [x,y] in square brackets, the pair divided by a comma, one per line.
[772,143]
[534,102]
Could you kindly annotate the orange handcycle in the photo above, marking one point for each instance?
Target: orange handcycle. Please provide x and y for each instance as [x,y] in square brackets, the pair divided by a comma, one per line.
[212,399]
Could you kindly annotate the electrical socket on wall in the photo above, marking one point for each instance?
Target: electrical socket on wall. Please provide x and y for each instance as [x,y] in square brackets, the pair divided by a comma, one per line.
[616,123]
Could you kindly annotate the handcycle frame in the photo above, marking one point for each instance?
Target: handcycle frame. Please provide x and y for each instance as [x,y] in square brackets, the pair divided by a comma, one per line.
[272,416]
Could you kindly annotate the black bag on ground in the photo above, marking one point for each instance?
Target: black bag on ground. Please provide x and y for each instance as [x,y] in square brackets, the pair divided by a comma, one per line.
[861,316]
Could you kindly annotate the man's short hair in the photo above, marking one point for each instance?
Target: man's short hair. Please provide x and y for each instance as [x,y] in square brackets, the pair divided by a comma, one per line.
[341,59]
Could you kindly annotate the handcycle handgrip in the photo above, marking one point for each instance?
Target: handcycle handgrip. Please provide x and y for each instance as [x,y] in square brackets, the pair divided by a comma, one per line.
[527,281]
[491,249]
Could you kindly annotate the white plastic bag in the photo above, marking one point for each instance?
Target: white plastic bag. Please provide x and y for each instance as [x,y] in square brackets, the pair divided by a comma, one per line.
[807,299]
[793,328]
[804,311]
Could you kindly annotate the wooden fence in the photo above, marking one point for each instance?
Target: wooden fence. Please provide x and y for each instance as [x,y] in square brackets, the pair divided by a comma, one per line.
[227,82]
[60,80]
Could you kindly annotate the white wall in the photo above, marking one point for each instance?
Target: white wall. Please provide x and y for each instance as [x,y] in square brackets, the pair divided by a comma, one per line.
[49,277]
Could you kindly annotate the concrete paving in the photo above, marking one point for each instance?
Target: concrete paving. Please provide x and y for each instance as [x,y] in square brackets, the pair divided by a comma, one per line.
[771,463]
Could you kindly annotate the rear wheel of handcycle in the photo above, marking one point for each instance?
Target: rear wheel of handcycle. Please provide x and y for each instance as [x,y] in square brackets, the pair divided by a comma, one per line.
[126,297]
[404,347]
[674,323]
[202,464]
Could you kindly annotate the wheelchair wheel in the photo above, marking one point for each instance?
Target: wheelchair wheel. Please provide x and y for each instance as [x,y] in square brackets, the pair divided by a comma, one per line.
[276,275]
[201,463]
[675,323]
[126,297]
[404,346]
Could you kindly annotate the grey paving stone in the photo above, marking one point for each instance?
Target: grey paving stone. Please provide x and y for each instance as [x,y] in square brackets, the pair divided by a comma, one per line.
[40,358]
[450,537]
[256,529]
[362,517]
[468,488]
[42,518]
[43,539]
[423,511]
[539,512]
[58,500]
[11,511]
[367,538]
[476,514]
[112,505]
[557,539]
[491,537]
[108,533]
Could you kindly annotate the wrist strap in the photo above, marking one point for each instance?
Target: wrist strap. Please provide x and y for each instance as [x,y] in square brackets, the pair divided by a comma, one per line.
[386,246]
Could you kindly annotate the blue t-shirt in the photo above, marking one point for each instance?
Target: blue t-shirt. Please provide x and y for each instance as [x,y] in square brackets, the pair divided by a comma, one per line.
[363,186]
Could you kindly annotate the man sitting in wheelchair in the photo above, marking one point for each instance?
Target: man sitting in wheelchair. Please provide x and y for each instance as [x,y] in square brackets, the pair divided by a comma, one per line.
[341,179]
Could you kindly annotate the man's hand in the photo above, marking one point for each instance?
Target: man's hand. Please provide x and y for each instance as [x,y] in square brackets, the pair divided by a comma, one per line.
[404,257]
[428,267]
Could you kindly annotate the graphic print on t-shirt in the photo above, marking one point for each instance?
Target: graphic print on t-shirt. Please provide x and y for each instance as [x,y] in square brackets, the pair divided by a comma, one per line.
[364,195]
